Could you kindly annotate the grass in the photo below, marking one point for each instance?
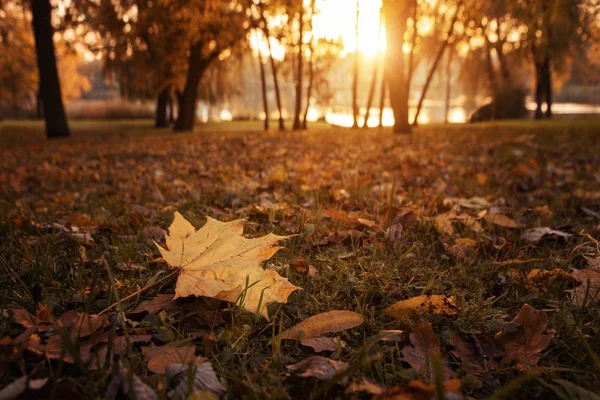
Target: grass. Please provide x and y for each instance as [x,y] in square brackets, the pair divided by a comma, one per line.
[122,176]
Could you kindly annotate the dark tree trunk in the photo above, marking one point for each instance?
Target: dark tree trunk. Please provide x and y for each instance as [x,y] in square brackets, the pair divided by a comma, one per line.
[355,109]
[54,110]
[548,86]
[376,67]
[396,15]
[539,90]
[161,119]
[171,109]
[187,100]
[275,79]
[263,86]
[436,62]
[300,73]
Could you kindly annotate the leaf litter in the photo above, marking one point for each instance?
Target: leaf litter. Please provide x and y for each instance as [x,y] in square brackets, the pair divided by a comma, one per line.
[421,218]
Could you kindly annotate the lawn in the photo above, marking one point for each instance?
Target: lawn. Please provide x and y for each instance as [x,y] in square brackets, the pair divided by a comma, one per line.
[376,218]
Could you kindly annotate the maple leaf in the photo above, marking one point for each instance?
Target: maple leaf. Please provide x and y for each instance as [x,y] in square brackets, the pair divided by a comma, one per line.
[217,261]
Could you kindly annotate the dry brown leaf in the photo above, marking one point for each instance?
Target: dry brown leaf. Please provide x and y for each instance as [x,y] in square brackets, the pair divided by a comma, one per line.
[23,317]
[128,384]
[159,358]
[478,359]
[160,302]
[425,345]
[320,344]
[318,367]
[320,324]
[364,385]
[340,215]
[204,379]
[443,224]
[433,304]
[525,337]
[417,390]
[502,220]
[585,293]
[217,261]
[537,234]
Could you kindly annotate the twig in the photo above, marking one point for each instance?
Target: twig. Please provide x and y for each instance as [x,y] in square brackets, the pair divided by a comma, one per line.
[139,291]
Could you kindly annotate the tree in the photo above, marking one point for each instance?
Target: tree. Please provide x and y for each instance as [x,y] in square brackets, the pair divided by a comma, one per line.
[437,59]
[554,27]
[396,14]
[50,93]
[18,76]
[300,65]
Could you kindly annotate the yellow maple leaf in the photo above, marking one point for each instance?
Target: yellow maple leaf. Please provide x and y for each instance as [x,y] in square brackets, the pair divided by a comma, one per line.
[217,261]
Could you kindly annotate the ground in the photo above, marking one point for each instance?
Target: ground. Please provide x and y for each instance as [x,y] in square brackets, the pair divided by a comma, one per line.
[379,217]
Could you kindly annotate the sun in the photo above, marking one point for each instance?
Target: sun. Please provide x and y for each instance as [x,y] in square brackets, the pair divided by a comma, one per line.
[337,20]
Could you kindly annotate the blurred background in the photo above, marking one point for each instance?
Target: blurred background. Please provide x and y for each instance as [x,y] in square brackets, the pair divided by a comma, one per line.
[345,62]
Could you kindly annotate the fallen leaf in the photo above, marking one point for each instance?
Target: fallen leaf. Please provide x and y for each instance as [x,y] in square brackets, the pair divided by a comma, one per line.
[129,384]
[205,379]
[19,386]
[539,276]
[318,367]
[155,233]
[586,194]
[589,289]
[425,345]
[159,358]
[320,344]
[351,235]
[23,317]
[417,390]
[364,385]
[160,302]
[525,337]
[502,220]
[320,324]
[537,234]
[217,261]
[478,359]
[299,264]
[432,304]
[443,224]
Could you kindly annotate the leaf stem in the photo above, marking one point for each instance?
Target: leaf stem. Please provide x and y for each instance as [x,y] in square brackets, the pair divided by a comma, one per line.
[139,291]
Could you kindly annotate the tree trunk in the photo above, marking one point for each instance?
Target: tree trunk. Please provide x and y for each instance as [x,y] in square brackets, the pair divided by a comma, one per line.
[54,110]
[376,66]
[187,100]
[548,86]
[275,79]
[396,16]
[171,109]
[448,86]
[435,63]
[161,120]
[355,109]
[300,73]
[539,90]
[263,86]
[384,85]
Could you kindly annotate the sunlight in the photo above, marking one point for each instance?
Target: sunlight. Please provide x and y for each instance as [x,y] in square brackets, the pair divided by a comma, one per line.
[337,19]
